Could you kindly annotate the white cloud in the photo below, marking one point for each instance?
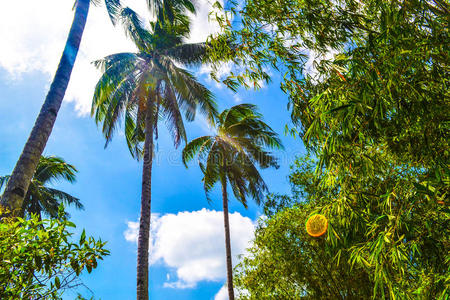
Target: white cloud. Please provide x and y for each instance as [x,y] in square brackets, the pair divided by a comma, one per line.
[32,34]
[222,294]
[132,232]
[205,125]
[193,244]
[203,24]
[237,99]
[33,37]
[221,71]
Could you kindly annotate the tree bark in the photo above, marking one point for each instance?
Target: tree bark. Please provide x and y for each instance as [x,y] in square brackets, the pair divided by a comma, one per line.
[17,186]
[144,221]
[227,240]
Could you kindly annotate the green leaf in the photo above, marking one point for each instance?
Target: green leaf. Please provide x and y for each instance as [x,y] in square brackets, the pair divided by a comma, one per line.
[82,237]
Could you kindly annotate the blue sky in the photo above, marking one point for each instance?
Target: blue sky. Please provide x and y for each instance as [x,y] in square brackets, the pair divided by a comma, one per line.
[187,254]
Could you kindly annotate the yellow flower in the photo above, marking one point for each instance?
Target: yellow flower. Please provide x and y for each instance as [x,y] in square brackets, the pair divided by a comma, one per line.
[316,225]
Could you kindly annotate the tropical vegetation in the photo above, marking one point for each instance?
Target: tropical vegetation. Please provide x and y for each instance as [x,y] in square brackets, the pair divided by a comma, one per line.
[367,84]
[374,110]
[39,260]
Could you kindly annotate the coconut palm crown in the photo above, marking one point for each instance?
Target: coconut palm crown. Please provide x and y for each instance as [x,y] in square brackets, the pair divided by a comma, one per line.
[232,156]
[167,9]
[235,151]
[130,81]
[42,199]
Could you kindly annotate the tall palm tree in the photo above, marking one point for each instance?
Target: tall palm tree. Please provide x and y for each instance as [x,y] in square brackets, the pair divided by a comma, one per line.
[145,87]
[42,199]
[230,157]
[17,186]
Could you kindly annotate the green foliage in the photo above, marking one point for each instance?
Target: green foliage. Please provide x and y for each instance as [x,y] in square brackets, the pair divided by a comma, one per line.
[409,250]
[286,263]
[375,114]
[38,260]
[41,198]
[305,187]
[232,155]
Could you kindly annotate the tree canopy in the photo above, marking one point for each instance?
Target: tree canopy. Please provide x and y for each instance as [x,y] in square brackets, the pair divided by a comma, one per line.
[284,262]
[373,108]
[232,155]
[130,79]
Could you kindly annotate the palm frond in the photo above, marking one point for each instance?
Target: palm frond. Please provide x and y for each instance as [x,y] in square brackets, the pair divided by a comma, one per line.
[237,182]
[118,101]
[63,197]
[40,197]
[52,168]
[196,146]
[182,5]
[188,54]
[124,59]
[254,128]
[211,174]
[239,112]
[192,94]
[116,91]
[167,35]
[135,29]
[257,154]
[116,69]
[170,9]
[46,204]
[113,7]
[134,133]
[256,185]
[237,150]
[172,115]
[154,6]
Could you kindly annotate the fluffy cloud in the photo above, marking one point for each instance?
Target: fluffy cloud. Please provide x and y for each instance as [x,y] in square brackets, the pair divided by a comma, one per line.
[132,231]
[203,23]
[28,31]
[192,243]
[222,294]
[33,37]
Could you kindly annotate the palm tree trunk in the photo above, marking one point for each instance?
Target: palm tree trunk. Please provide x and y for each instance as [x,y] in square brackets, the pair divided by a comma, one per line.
[146,196]
[227,239]
[22,174]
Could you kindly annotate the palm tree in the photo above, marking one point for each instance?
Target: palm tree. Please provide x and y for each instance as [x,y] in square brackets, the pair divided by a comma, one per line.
[17,186]
[41,199]
[230,156]
[144,87]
